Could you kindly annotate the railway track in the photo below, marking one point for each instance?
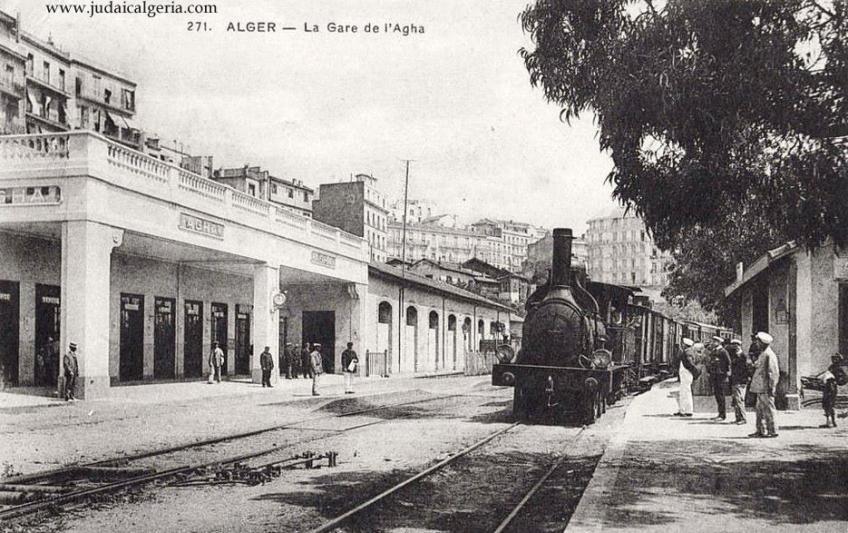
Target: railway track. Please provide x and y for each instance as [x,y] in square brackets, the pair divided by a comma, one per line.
[60,487]
[502,526]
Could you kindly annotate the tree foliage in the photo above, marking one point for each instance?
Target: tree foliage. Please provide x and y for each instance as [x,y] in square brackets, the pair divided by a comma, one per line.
[726,120]
[708,108]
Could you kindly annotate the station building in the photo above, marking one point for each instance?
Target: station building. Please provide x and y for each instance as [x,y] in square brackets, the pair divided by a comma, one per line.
[800,297]
[144,265]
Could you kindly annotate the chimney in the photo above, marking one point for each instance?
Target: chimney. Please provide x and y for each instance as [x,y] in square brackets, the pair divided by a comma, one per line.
[561,267]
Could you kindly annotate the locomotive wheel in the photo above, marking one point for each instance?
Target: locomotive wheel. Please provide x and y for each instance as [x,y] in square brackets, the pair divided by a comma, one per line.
[519,404]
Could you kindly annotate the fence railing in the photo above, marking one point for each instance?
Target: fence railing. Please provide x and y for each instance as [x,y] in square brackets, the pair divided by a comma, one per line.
[377,364]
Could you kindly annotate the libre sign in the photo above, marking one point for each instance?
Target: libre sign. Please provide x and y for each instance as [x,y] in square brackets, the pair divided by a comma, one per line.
[201,225]
[323,260]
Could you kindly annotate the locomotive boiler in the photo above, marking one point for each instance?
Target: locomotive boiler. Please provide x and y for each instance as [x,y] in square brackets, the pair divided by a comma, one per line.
[563,371]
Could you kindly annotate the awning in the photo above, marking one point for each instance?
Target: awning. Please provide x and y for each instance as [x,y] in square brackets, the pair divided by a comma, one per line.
[761,264]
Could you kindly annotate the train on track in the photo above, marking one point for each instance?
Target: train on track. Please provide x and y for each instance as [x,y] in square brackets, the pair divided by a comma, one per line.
[585,344]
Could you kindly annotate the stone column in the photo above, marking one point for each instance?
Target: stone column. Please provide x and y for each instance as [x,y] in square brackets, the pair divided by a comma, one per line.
[86,260]
[266,319]
[360,326]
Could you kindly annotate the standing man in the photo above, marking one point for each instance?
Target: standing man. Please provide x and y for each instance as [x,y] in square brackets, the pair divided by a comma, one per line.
[764,385]
[216,360]
[289,359]
[295,361]
[71,372]
[739,374]
[688,372]
[316,363]
[306,360]
[350,362]
[266,361]
[719,369]
[832,378]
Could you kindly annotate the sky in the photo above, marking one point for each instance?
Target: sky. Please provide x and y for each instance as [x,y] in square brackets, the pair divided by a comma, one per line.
[319,106]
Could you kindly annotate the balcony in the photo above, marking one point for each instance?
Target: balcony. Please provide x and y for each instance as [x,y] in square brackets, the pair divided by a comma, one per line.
[11,87]
[111,105]
[47,85]
[51,122]
[62,156]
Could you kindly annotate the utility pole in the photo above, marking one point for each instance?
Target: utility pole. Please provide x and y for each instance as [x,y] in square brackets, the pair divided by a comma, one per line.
[401,323]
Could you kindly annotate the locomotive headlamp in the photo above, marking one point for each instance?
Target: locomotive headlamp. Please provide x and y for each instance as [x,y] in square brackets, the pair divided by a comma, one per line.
[508,379]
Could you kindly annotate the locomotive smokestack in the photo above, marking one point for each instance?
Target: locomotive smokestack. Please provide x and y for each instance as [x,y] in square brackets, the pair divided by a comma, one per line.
[561,268]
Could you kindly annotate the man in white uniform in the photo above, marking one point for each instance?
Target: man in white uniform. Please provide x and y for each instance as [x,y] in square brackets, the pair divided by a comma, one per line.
[687,372]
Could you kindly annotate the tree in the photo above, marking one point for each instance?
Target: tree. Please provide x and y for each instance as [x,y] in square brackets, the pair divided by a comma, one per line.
[710,110]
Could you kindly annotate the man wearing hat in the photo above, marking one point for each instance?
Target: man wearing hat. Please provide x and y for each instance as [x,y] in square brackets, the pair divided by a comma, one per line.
[718,367]
[266,362]
[295,362]
[316,362]
[71,366]
[687,372]
[306,360]
[739,374]
[216,361]
[349,363]
[764,385]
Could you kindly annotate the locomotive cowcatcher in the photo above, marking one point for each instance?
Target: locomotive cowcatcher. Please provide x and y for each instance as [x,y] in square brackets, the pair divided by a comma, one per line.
[563,371]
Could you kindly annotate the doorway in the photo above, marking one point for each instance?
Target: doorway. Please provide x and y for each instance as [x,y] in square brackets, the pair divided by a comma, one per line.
[9,330]
[244,350]
[219,331]
[164,338]
[47,320]
[193,340]
[131,367]
[320,327]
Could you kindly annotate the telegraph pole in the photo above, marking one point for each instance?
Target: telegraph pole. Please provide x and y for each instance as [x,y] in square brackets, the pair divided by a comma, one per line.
[401,324]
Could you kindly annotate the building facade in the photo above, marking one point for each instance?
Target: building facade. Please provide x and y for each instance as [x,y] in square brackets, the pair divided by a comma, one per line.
[289,194]
[358,207]
[621,251]
[800,297]
[13,92]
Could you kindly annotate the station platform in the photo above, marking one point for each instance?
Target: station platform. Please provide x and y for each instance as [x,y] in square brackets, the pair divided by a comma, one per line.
[665,473]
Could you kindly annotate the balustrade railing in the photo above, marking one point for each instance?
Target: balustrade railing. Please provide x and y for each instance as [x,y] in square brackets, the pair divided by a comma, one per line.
[171,180]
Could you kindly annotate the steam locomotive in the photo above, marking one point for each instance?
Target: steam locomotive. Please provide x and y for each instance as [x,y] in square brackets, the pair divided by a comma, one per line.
[586,343]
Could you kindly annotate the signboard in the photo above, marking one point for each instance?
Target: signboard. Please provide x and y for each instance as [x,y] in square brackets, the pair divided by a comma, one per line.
[50,300]
[201,225]
[323,260]
[840,266]
[48,194]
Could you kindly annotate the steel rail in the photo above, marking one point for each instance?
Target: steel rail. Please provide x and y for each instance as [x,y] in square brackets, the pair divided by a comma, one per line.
[517,509]
[339,520]
[71,469]
[36,506]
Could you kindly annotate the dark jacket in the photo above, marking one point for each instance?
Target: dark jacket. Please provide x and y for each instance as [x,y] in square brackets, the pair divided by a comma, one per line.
[266,361]
[719,363]
[347,357]
[739,366]
[70,363]
[688,363]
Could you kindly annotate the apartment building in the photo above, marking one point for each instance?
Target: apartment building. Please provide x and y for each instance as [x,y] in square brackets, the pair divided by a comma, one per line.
[292,195]
[358,207]
[12,78]
[622,251]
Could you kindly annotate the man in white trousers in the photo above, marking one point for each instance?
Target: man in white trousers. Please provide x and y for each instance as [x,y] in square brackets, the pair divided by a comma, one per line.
[688,372]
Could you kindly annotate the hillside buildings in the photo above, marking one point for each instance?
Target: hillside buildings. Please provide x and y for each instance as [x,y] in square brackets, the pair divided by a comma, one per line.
[358,207]
[292,195]
[621,251]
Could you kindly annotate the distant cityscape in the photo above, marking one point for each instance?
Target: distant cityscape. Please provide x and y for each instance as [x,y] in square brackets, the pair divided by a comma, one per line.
[45,89]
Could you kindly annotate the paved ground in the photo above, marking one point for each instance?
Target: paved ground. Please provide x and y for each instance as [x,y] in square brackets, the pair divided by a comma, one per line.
[664,473]
[40,433]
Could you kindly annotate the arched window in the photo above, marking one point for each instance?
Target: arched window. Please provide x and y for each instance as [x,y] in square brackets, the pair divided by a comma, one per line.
[384,313]
[411,316]
[434,320]
[481,329]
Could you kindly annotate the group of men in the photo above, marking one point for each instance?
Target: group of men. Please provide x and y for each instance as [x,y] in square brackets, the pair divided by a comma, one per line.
[756,371]
[312,361]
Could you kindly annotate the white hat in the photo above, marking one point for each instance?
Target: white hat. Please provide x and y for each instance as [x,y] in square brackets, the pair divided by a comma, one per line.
[736,341]
[688,342]
[718,339]
[764,338]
